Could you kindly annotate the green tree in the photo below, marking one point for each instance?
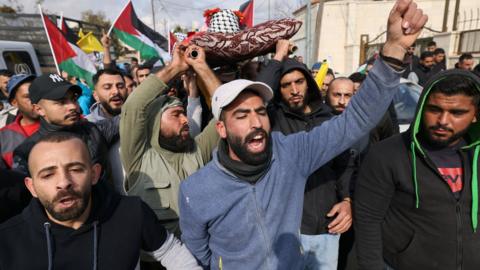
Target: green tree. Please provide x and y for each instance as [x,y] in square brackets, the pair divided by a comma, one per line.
[7,9]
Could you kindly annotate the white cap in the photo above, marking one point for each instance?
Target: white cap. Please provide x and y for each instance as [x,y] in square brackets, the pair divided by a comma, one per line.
[226,93]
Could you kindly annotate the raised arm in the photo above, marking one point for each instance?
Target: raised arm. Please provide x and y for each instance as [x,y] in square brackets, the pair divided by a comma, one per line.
[107,57]
[133,124]
[208,139]
[271,73]
[369,105]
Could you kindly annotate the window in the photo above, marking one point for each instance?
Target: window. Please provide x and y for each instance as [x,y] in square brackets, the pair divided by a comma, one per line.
[19,62]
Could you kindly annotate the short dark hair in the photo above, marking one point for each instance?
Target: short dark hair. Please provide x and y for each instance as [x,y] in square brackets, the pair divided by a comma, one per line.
[134,59]
[426,54]
[431,43]
[357,77]
[439,51]
[58,137]
[126,75]
[457,84]
[6,73]
[465,56]
[330,72]
[143,67]
[99,73]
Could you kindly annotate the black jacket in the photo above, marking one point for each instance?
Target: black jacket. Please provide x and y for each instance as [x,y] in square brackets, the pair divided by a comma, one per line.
[115,232]
[98,137]
[423,74]
[14,196]
[405,212]
[328,185]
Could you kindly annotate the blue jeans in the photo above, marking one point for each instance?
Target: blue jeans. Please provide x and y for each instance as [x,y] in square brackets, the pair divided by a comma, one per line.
[320,251]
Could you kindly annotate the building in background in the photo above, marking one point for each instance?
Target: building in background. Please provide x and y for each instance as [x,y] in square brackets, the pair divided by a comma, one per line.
[347,32]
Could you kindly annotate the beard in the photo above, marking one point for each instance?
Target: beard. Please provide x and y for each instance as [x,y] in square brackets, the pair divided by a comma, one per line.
[239,147]
[442,143]
[177,143]
[73,212]
[112,111]
[298,107]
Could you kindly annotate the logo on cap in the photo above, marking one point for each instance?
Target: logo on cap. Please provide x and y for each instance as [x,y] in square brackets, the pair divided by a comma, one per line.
[56,78]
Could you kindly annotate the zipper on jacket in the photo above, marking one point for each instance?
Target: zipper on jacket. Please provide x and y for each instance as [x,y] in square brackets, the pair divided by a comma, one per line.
[262,227]
[459,237]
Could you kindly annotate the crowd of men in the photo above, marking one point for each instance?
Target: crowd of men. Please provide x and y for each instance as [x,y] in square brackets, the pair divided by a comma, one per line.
[186,167]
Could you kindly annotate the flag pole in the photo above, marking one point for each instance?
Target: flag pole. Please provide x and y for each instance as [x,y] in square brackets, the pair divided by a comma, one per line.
[48,38]
[59,24]
[113,23]
[253,13]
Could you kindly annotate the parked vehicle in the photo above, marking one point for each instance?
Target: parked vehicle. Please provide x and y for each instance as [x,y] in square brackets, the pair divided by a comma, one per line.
[19,57]
[405,101]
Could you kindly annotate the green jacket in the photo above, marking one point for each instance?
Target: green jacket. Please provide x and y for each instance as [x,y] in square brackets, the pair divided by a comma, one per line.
[154,173]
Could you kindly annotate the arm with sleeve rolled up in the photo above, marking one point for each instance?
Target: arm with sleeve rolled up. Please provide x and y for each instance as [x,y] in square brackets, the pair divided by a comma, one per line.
[207,140]
[368,106]
[107,57]
[133,123]
[194,106]
[272,72]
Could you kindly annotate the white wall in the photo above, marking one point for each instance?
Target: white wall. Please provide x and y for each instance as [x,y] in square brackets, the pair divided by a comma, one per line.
[344,21]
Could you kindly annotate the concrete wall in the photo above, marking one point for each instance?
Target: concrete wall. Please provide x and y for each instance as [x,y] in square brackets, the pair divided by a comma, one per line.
[344,21]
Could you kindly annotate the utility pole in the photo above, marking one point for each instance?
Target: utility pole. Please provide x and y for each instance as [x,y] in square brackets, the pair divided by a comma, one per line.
[445,16]
[269,10]
[308,31]
[153,15]
[455,15]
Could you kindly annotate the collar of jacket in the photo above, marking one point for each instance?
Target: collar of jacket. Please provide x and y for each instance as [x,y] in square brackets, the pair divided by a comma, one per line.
[317,107]
[104,202]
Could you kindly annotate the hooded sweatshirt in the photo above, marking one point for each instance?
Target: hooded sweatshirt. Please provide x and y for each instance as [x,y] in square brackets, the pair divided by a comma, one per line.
[96,115]
[406,213]
[330,183]
[117,229]
[229,223]
[154,173]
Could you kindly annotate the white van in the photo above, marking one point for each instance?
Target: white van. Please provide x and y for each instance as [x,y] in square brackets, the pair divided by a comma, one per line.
[19,57]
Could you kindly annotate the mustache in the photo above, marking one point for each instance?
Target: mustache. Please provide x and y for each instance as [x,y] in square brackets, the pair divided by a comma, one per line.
[257,131]
[116,96]
[72,114]
[185,128]
[440,127]
[62,194]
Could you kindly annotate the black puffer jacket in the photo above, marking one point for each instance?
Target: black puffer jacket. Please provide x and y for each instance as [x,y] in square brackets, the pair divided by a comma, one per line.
[330,183]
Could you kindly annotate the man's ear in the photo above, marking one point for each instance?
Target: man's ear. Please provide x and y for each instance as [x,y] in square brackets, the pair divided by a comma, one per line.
[39,110]
[221,129]
[96,172]
[29,184]
[14,103]
[95,96]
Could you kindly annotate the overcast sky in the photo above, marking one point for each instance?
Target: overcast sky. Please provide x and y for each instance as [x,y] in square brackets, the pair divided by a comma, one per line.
[187,13]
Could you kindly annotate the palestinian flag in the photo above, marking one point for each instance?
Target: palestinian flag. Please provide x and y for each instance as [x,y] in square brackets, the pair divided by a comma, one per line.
[71,36]
[134,33]
[67,56]
[247,10]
